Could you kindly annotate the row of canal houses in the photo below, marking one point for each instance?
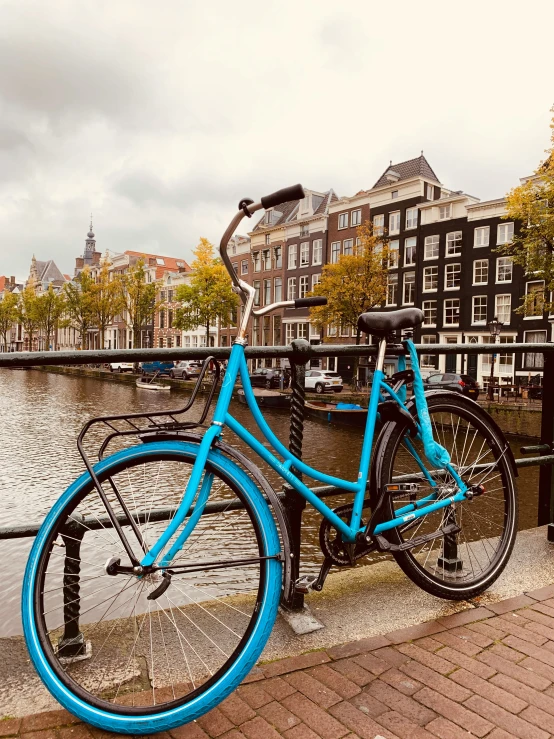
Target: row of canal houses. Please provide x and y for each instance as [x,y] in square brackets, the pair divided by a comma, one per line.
[444,261]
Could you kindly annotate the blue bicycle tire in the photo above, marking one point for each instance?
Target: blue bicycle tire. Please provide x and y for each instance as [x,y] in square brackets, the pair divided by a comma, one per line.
[254,641]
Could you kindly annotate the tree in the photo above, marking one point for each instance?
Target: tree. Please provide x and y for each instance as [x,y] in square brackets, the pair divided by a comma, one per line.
[78,301]
[8,315]
[140,300]
[355,284]
[106,301]
[27,313]
[209,296]
[531,206]
[50,307]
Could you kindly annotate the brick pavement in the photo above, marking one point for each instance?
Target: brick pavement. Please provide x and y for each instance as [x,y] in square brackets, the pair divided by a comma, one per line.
[483,672]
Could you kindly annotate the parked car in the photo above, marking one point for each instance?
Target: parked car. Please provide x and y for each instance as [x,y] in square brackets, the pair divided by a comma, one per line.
[463,384]
[121,366]
[150,368]
[323,381]
[185,370]
[266,377]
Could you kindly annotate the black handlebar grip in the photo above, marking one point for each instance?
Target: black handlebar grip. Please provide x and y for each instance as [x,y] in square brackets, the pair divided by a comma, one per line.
[310,302]
[296,192]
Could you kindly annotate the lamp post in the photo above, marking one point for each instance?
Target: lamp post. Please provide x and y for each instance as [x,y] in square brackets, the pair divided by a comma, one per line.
[495,327]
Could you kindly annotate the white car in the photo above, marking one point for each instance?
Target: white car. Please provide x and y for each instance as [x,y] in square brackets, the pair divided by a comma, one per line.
[121,366]
[323,381]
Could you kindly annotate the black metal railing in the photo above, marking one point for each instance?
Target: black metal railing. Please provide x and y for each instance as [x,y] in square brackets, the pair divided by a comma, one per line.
[299,354]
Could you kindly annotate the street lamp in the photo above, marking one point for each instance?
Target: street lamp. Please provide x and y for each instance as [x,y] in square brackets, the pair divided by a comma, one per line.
[495,327]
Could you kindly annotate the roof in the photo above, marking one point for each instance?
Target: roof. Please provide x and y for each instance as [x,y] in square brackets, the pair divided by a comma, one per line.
[329,197]
[169,264]
[287,210]
[49,272]
[419,167]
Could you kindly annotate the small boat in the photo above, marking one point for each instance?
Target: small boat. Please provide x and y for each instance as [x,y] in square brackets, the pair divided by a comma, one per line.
[152,385]
[267,398]
[348,414]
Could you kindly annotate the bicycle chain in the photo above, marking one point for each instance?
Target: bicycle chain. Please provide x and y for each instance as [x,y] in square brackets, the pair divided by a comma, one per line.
[343,554]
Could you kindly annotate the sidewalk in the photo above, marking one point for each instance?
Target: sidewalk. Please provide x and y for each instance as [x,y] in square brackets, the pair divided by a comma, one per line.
[484,672]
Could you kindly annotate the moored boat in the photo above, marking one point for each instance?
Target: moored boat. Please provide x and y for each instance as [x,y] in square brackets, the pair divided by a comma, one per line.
[267,398]
[348,414]
[152,386]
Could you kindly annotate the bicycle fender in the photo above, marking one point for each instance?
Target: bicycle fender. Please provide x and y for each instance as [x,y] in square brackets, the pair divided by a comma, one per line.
[259,478]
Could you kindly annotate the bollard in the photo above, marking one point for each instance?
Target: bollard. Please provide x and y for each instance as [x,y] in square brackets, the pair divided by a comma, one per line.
[545,514]
[294,503]
[72,644]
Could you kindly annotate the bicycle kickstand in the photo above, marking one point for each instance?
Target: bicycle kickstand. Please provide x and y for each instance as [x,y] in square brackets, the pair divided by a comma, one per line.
[314,582]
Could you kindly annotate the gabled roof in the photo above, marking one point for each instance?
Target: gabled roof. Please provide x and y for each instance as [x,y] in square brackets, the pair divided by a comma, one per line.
[49,272]
[169,263]
[418,167]
[330,197]
[287,210]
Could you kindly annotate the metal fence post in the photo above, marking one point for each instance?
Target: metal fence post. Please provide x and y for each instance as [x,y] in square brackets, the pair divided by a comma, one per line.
[72,644]
[294,504]
[546,477]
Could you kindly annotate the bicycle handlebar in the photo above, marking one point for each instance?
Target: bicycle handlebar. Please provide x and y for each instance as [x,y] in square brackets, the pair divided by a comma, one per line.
[310,302]
[295,192]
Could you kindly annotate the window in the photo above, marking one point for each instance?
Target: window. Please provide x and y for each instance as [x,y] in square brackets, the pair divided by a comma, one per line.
[267,292]
[278,289]
[316,279]
[343,331]
[379,225]
[268,219]
[162,296]
[481,236]
[409,288]
[266,327]
[431,249]
[392,289]
[410,251]
[293,249]
[162,319]
[236,268]
[302,329]
[452,273]
[394,194]
[266,259]
[291,288]
[256,261]
[452,312]
[304,253]
[534,299]
[430,192]
[411,217]
[256,331]
[268,239]
[343,220]
[331,330]
[506,361]
[304,229]
[187,341]
[479,310]
[194,340]
[257,289]
[503,307]
[244,267]
[428,360]
[394,222]
[170,294]
[504,269]
[170,319]
[480,271]
[290,331]
[335,252]
[276,330]
[505,233]
[355,217]
[430,279]
[278,257]
[454,244]
[534,360]
[445,211]
[394,247]
[348,246]
[429,312]
[303,286]
[317,251]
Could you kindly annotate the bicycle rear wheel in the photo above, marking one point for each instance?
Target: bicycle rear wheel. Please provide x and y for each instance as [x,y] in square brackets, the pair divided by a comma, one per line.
[466,562]
[139,665]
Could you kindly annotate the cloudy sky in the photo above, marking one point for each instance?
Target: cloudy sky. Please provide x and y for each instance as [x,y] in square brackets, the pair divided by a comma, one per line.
[159,116]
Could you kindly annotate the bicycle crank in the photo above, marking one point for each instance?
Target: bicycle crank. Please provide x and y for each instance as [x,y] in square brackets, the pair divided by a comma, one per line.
[341,553]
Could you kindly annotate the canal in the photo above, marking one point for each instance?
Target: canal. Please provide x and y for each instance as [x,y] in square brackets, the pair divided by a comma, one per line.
[42,414]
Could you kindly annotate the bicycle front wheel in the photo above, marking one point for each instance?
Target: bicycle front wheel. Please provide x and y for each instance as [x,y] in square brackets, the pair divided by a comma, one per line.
[119,651]
[463,563]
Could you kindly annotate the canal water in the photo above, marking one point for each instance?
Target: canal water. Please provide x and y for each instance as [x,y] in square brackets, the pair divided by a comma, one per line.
[42,414]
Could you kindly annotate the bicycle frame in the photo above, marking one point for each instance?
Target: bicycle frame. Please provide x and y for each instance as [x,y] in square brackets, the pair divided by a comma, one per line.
[199,484]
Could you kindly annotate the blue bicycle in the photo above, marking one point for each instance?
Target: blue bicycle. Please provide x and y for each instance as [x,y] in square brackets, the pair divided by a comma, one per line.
[154,582]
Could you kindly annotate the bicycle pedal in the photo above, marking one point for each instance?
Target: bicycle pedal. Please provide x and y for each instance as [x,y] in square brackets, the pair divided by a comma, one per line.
[384,545]
[395,489]
[305,584]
